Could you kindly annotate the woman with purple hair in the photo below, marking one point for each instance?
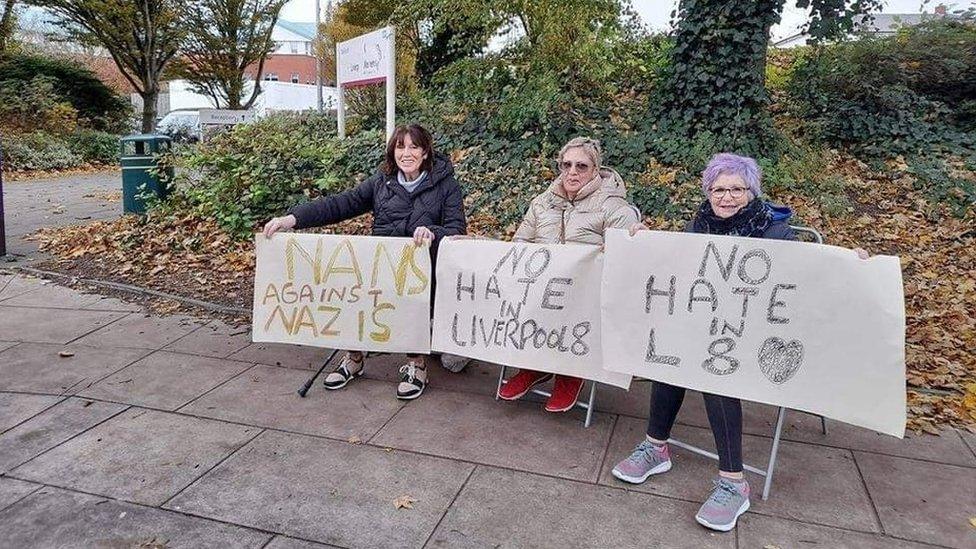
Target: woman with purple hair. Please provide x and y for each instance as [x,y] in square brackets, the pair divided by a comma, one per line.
[732,206]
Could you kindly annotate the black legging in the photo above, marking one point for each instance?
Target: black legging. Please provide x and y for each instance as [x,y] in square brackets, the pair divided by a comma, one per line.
[724,415]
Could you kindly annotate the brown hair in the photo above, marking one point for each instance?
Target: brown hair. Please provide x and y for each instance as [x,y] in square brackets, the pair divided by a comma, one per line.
[420,137]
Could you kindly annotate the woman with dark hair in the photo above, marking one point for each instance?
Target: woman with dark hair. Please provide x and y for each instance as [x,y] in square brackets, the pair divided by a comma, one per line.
[416,195]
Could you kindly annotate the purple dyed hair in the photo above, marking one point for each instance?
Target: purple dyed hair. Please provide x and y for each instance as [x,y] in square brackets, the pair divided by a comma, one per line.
[733,164]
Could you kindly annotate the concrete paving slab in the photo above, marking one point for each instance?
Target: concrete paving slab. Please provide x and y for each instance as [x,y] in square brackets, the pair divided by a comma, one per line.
[4,345]
[13,490]
[58,518]
[50,326]
[216,339]
[811,483]
[113,304]
[16,408]
[141,331]
[502,508]
[54,297]
[278,354]
[327,491]
[506,434]
[282,542]
[922,501]
[947,448]
[37,367]
[18,285]
[141,456]
[759,531]
[165,380]
[266,396]
[969,439]
[615,400]
[50,428]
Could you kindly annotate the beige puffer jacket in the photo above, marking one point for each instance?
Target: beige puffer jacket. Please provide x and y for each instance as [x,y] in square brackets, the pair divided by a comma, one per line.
[600,205]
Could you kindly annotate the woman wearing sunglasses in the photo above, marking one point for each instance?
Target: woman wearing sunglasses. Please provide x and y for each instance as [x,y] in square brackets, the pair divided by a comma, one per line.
[584,200]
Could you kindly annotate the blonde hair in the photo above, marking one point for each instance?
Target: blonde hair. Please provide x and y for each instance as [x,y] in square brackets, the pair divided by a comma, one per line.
[591,147]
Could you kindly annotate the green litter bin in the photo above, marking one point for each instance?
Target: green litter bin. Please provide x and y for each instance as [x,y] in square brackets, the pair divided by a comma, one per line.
[139,162]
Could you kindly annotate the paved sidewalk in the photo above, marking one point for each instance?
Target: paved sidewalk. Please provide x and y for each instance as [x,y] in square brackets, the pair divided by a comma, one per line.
[119,429]
[63,200]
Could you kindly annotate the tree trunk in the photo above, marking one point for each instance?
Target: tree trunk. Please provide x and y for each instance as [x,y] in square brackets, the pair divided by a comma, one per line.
[715,81]
[6,23]
[149,98]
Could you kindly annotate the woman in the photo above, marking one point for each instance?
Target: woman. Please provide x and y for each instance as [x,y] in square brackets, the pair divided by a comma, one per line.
[583,201]
[415,194]
[732,206]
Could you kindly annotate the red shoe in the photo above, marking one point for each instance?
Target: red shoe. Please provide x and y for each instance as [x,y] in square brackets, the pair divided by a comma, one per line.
[564,394]
[521,383]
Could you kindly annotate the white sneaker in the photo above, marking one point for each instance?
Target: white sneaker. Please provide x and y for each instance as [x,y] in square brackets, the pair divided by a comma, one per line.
[347,370]
[413,380]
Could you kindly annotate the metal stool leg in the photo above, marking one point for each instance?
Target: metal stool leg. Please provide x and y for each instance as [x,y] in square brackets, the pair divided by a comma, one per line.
[591,405]
[772,453]
[501,378]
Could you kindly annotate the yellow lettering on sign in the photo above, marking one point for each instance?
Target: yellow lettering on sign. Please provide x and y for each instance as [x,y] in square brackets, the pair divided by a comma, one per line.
[271,292]
[399,270]
[288,323]
[334,267]
[291,247]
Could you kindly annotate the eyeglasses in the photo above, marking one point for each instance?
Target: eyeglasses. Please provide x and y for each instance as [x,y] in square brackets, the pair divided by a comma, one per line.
[734,192]
[580,166]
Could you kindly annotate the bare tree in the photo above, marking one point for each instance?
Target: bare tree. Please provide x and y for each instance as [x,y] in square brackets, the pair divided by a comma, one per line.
[225,37]
[141,36]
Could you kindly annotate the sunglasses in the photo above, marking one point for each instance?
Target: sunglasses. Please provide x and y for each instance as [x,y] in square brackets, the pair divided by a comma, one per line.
[580,166]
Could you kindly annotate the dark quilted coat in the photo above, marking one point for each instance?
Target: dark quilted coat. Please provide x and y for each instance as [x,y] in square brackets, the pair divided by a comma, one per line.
[437,203]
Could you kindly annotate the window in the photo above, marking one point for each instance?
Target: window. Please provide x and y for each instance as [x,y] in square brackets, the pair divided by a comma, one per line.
[295,78]
[271,76]
[294,47]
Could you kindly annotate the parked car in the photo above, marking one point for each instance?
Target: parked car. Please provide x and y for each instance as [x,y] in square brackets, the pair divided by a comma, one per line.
[182,125]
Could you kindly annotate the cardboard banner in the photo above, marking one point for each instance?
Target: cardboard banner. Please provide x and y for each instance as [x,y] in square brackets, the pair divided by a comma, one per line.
[361,293]
[531,306]
[806,326]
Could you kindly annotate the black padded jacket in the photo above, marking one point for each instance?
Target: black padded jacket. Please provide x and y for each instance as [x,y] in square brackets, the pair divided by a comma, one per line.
[437,203]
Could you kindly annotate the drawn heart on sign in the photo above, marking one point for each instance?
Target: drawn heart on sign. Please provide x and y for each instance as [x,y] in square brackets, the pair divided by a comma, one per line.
[780,360]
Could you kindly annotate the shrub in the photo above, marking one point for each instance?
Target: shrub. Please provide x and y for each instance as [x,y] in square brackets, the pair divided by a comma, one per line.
[911,93]
[95,147]
[256,171]
[37,151]
[33,105]
[97,105]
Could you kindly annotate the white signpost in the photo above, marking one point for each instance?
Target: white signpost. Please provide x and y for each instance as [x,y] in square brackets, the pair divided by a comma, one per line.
[363,61]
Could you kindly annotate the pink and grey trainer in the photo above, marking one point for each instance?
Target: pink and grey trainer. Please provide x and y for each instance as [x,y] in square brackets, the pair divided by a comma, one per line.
[646,460]
[728,501]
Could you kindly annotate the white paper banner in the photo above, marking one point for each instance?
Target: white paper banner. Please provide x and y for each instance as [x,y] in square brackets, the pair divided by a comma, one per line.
[805,326]
[360,293]
[531,306]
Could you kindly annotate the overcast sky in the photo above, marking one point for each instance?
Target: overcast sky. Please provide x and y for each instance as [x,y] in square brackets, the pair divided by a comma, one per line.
[656,13]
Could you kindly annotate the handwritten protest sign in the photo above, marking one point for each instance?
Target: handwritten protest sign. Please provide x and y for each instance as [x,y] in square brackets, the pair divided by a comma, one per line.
[527,305]
[349,292]
[805,326]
